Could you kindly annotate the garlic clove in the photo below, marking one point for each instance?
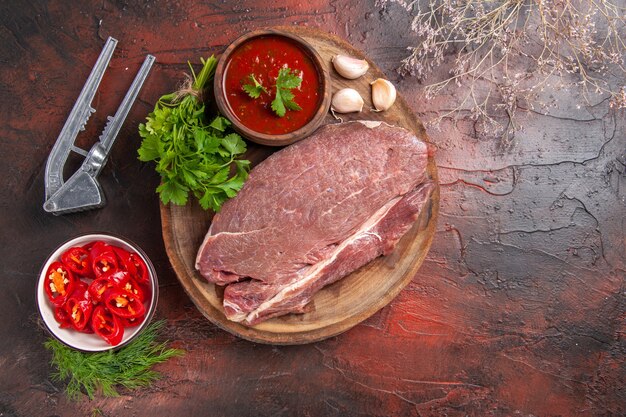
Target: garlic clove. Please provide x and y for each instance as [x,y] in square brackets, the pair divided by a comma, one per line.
[383,94]
[347,100]
[350,68]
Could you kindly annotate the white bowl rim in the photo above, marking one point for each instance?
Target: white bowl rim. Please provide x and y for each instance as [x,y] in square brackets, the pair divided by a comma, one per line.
[86,342]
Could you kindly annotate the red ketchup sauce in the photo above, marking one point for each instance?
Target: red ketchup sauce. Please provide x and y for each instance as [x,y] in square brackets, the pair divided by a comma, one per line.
[264,56]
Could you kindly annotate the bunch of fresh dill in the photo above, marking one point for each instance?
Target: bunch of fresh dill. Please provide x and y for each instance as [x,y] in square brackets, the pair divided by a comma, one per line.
[128,367]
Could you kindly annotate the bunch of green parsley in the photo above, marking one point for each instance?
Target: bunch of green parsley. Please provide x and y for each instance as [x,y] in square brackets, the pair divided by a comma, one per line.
[193,152]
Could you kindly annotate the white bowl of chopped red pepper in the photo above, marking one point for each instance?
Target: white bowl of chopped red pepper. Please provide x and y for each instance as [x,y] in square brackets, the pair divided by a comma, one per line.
[97,292]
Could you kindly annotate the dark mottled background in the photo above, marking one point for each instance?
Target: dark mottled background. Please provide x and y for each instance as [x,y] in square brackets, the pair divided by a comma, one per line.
[518,310]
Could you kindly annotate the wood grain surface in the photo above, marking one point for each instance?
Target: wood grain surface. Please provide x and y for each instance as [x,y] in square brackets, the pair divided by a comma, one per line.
[339,306]
[517,310]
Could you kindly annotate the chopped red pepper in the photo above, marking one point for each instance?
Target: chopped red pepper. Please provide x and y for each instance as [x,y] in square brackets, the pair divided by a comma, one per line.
[77,260]
[107,325]
[143,276]
[132,322]
[112,301]
[132,287]
[126,262]
[79,306]
[97,247]
[123,303]
[60,314]
[59,283]
[104,262]
[97,288]
[118,278]
[89,246]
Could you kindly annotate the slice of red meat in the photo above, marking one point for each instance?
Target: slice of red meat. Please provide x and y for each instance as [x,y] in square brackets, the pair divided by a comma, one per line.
[312,213]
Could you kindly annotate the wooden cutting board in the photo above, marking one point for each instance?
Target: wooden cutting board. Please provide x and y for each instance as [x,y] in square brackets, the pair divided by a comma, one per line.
[339,306]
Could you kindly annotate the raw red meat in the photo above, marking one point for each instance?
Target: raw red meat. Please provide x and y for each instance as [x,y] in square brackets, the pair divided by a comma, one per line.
[312,213]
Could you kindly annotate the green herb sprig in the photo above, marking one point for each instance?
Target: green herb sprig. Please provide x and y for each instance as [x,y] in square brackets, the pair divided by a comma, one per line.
[286,81]
[254,88]
[193,153]
[128,367]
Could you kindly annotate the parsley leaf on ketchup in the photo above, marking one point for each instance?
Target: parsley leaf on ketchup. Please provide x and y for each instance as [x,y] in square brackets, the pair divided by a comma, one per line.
[254,90]
[286,81]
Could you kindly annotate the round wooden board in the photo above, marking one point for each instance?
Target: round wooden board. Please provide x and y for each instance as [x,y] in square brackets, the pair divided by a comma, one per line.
[342,305]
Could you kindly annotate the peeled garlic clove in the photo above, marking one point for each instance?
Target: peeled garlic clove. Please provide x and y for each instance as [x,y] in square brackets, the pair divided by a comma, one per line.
[383,94]
[349,67]
[347,100]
